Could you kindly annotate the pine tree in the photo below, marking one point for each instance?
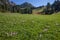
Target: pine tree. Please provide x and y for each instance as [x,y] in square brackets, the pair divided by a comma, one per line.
[48,9]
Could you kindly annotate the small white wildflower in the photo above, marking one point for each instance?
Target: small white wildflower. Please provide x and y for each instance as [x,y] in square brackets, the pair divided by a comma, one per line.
[23,21]
[40,35]
[45,30]
[47,26]
[7,34]
[57,24]
[32,21]
[13,33]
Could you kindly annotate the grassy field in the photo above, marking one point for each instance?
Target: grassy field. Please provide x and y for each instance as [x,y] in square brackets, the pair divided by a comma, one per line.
[29,27]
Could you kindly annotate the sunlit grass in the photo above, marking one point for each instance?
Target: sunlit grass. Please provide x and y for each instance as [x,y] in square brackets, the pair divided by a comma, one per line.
[29,27]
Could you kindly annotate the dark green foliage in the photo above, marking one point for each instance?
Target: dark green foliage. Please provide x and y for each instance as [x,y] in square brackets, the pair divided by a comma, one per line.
[48,9]
[55,7]
[26,8]
[7,6]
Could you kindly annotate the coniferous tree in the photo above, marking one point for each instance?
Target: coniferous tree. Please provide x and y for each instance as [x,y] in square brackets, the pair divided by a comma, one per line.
[48,9]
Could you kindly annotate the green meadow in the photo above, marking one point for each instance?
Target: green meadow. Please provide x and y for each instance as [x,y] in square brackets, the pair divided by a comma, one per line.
[14,26]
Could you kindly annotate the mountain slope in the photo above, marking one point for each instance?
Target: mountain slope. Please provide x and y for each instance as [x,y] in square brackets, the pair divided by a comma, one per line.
[27,5]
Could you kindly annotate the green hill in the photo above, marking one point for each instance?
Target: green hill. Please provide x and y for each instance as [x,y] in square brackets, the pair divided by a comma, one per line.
[29,27]
[37,10]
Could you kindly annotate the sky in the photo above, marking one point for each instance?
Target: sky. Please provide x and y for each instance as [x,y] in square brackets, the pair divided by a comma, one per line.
[35,3]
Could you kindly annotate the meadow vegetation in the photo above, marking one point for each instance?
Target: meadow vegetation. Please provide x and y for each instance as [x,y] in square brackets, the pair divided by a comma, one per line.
[15,26]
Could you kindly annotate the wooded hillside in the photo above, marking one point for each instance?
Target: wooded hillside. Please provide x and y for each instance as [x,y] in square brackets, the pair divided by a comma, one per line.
[26,8]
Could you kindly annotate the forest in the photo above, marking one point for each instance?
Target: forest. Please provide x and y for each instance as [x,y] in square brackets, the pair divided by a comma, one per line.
[26,8]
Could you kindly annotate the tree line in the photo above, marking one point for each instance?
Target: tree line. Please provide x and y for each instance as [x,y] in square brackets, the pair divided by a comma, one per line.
[10,6]
[26,8]
[52,8]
